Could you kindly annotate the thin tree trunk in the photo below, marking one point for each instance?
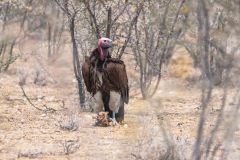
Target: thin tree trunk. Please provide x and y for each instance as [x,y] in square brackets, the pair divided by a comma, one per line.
[3,44]
[49,39]
[60,37]
[109,23]
[203,50]
[76,62]
[10,55]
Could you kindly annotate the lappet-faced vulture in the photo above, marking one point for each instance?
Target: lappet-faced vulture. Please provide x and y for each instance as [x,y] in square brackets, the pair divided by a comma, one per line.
[106,79]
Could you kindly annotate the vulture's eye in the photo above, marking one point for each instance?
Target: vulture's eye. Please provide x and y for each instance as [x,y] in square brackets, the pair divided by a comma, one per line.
[105,41]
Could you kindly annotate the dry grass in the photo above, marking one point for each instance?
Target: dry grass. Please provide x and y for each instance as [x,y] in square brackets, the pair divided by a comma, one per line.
[70,146]
[69,124]
[181,65]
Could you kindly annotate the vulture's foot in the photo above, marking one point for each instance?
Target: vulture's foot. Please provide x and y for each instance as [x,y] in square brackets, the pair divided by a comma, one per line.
[114,121]
[120,115]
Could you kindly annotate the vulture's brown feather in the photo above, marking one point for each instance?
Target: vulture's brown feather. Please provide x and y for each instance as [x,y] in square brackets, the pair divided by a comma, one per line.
[106,79]
[86,73]
[114,78]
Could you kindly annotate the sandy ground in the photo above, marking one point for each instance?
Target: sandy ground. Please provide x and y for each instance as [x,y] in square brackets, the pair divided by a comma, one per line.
[151,126]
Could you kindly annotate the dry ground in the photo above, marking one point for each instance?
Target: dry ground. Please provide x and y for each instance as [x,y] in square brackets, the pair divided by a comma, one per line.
[151,126]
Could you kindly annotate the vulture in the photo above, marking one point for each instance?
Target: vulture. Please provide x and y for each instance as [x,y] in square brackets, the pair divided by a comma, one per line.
[106,80]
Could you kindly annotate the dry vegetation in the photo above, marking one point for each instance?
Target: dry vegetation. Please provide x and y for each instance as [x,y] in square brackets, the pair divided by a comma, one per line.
[182,61]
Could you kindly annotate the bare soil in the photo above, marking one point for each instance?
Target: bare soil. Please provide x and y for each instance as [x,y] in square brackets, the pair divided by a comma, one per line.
[151,126]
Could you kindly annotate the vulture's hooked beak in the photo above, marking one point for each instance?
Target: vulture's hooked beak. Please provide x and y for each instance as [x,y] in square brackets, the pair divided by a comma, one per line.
[106,44]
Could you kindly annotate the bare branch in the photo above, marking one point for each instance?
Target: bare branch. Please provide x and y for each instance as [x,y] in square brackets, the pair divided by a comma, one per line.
[109,23]
[129,33]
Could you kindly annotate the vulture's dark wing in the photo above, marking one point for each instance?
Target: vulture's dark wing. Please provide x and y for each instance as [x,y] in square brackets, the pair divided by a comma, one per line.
[116,76]
[86,73]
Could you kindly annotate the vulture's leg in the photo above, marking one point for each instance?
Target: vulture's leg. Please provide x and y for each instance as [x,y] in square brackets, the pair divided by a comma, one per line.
[106,98]
[120,114]
[99,103]
[114,121]
[115,105]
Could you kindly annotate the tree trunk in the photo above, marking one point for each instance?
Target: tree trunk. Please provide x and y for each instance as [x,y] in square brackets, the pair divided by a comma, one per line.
[76,62]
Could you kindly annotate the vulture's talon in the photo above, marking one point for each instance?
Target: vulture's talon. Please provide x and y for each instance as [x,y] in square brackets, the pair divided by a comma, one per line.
[114,122]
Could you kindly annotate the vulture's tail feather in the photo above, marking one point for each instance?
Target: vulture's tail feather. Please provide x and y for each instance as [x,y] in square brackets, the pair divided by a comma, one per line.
[125,96]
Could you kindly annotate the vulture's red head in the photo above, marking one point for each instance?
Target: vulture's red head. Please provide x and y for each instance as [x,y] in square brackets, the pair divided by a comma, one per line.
[103,45]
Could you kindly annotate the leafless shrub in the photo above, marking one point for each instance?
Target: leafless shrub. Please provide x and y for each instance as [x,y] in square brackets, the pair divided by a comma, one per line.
[69,124]
[70,146]
[216,63]
[22,75]
[4,64]
[156,34]
[170,154]
[29,154]
[156,143]
[39,78]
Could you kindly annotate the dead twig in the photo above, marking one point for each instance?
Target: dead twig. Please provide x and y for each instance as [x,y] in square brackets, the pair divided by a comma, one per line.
[70,146]
[46,109]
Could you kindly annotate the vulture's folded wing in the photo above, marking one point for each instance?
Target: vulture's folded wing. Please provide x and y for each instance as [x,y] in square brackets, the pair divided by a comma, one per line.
[86,73]
[117,76]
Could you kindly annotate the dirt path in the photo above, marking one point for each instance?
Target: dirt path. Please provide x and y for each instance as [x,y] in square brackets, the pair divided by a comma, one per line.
[169,119]
[152,126]
[28,133]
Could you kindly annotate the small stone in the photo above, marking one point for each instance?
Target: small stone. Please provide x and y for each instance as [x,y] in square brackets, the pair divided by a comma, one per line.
[22,120]
[74,81]
[43,115]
